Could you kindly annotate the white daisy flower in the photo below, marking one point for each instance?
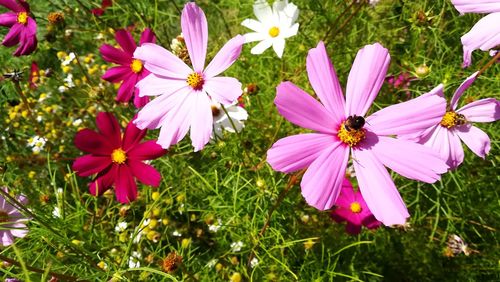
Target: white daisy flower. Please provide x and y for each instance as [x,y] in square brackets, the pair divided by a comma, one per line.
[121,226]
[237,115]
[216,226]
[254,262]
[68,59]
[134,260]
[274,25]
[236,246]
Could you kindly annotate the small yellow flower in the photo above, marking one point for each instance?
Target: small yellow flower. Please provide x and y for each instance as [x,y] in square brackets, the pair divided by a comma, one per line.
[31,174]
[155,195]
[185,242]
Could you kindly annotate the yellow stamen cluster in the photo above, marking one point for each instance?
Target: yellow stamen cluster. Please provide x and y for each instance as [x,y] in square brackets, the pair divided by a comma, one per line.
[451,119]
[118,156]
[136,66]
[55,17]
[355,207]
[351,137]
[195,80]
[22,18]
[274,31]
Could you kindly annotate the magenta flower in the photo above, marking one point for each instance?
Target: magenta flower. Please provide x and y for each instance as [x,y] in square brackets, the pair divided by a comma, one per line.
[485,35]
[185,93]
[22,27]
[131,70]
[352,208]
[116,159]
[341,129]
[12,222]
[455,125]
[104,5]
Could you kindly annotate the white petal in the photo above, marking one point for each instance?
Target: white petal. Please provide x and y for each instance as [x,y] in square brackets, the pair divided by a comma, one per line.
[261,47]
[279,46]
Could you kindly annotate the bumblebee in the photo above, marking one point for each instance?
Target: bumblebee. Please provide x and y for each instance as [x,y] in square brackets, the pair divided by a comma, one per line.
[354,122]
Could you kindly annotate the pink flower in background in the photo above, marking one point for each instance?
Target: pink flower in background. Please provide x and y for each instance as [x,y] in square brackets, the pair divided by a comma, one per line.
[104,5]
[485,35]
[401,82]
[352,208]
[22,27]
[34,76]
[116,159]
[131,70]
[456,125]
[185,94]
[342,129]
[12,222]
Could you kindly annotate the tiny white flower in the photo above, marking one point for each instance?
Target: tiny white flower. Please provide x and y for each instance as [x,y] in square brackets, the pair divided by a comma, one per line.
[137,237]
[236,246]
[69,80]
[99,36]
[62,88]
[77,122]
[176,233]
[37,144]
[254,262]
[234,119]
[211,263]
[134,260]
[274,25]
[216,226]
[56,212]
[68,59]
[39,118]
[146,222]
[121,226]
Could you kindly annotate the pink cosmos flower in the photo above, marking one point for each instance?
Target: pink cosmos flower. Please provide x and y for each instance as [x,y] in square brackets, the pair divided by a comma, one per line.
[485,35]
[104,5]
[116,159]
[131,70]
[352,208]
[455,125]
[342,129]
[22,27]
[185,93]
[12,222]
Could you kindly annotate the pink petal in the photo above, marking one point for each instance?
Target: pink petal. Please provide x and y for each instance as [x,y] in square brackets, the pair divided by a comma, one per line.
[484,110]
[225,57]
[8,19]
[485,35]
[296,152]
[475,139]
[303,110]
[446,143]
[201,121]
[176,122]
[6,238]
[19,230]
[323,179]
[117,74]
[378,189]
[127,89]
[147,36]
[92,142]
[113,55]
[125,186]
[145,173]
[109,128]
[139,101]
[90,164]
[148,150]
[476,6]
[195,31]
[411,160]
[132,136]
[461,89]
[153,85]
[12,5]
[325,82]
[365,79]
[160,61]
[13,36]
[224,90]
[353,229]
[126,41]
[27,41]
[409,117]
[104,181]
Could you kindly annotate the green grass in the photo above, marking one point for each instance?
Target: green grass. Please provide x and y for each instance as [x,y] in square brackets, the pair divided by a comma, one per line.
[229,180]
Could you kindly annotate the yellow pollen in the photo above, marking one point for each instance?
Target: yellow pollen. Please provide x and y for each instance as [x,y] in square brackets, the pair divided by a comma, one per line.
[195,80]
[451,119]
[351,137]
[118,156]
[136,66]
[22,17]
[355,207]
[274,31]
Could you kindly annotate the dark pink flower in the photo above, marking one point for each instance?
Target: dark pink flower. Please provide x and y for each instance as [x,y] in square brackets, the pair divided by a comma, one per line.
[104,5]
[131,70]
[116,159]
[22,27]
[352,208]
[34,75]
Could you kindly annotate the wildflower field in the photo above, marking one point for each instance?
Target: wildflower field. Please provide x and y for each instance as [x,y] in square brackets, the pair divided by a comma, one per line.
[228,140]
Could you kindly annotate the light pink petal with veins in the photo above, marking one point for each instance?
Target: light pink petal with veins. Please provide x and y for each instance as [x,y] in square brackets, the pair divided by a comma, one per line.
[484,110]
[226,56]
[201,120]
[224,90]
[476,139]
[154,85]
[195,32]
[485,35]
[461,89]
[476,6]
[176,122]
[446,143]
[160,61]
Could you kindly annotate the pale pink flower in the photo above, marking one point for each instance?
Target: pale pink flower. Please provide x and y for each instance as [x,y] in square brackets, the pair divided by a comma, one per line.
[184,93]
[12,222]
[325,154]
[456,125]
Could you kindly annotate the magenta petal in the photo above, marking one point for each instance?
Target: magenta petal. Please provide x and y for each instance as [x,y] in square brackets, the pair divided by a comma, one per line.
[408,117]
[411,160]
[148,150]
[153,85]
[125,186]
[147,36]
[13,36]
[27,43]
[476,6]
[12,5]
[132,136]
[446,143]
[104,181]
[8,19]
[117,74]
[484,35]
[475,139]
[160,61]
[378,189]
[139,101]
[201,121]
[92,142]
[353,229]
[461,89]
[109,128]
[303,110]
[226,56]
[113,55]
[145,173]
[325,82]
[126,90]
[365,79]
[195,31]
[90,164]
[126,41]
[224,90]
[296,152]
[484,110]
[322,182]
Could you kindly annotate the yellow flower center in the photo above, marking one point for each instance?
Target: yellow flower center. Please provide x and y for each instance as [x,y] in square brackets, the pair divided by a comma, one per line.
[195,80]
[136,66]
[355,207]
[118,156]
[451,119]
[274,31]
[22,17]
[351,137]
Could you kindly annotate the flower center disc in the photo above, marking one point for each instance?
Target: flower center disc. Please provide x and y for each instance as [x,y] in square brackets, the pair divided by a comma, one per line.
[274,31]
[351,136]
[118,156]
[451,119]
[355,207]
[136,66]
[22,18]
[195,80]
